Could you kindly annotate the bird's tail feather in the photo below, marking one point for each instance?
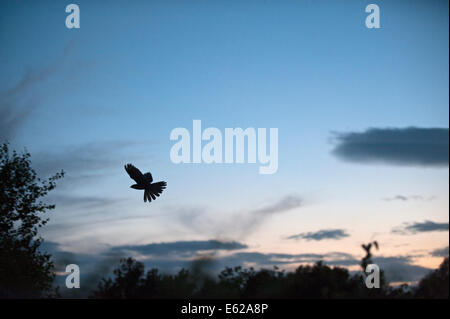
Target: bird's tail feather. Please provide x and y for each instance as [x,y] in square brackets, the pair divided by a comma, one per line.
[147,196]
[154,191]
[157,188]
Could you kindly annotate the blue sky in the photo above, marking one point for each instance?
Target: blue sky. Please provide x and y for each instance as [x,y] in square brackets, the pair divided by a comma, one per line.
[110,93]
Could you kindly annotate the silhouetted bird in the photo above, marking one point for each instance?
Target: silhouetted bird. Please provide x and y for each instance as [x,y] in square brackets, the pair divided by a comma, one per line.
[144,181]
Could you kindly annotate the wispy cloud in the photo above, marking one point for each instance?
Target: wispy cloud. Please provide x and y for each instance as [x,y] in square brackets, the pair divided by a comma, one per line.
[18,102]
[406,198]
[225,225]
[402,146]
[16,105]
[80,202]
[418,227]
[284,204]
[83,159]
[334,234]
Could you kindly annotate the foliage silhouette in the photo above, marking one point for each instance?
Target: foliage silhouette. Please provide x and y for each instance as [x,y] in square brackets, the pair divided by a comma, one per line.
[25,272]
[435,284]
[316,281]
[368,258]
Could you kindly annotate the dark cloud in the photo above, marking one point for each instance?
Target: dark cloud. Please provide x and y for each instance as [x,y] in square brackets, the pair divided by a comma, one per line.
[402,146]
[185,248]
[401,269]
[417,227]
[440,252]
[406,198]
[334,234]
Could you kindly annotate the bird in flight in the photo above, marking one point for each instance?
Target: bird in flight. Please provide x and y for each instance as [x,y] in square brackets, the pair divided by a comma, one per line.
[144,181]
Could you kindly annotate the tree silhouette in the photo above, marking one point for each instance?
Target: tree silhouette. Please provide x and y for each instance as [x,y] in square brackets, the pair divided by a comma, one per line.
[307,281]
[436,284]
[384,289]
[368,258]
[25,272]
[310,281]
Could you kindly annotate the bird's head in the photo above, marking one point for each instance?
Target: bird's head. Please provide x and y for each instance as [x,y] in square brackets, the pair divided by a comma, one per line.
[135,186]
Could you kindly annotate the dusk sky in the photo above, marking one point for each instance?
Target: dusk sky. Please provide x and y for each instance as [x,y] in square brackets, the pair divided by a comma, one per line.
[362,117]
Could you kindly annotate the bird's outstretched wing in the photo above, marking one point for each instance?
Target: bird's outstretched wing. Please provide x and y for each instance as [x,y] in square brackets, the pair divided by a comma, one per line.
[148,177]
[135,174]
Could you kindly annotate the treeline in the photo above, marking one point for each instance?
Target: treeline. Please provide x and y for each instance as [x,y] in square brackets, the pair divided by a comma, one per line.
[317,281]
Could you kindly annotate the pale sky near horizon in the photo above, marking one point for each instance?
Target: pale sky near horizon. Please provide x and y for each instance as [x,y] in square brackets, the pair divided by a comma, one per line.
[90,100]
